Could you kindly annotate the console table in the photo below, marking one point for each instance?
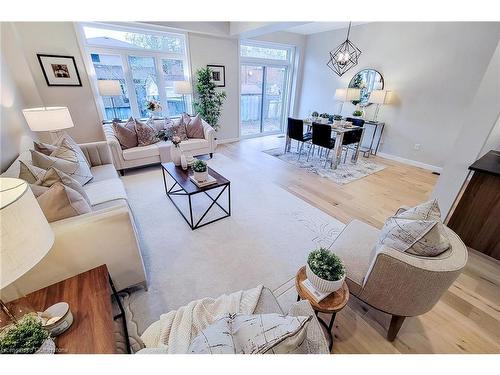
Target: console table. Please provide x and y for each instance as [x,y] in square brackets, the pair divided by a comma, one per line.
[372,137]
[89,297]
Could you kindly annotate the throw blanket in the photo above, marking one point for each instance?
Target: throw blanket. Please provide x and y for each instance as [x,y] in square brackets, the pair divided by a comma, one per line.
[175,329]
[164,150]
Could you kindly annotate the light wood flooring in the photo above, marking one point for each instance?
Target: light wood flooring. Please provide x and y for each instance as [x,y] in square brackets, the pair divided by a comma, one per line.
[465,320]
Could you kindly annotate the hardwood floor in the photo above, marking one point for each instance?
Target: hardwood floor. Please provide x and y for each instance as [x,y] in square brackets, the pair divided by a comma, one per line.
[465,320]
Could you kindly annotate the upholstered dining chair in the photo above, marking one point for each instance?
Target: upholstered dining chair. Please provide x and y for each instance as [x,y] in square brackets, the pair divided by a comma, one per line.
[352,141]
[394,282]
[295,130]
[356,121]
[321,137]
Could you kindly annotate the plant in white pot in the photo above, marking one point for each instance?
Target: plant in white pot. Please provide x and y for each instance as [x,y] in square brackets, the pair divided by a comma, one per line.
[200,170]
[325,270]
[26,336]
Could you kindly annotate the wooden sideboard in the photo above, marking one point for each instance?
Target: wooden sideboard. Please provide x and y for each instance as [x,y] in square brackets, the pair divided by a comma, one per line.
[476,219]
[89,297]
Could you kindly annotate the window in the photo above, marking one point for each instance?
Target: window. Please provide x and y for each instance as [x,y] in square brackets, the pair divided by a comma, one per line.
[264,52]
[146,64]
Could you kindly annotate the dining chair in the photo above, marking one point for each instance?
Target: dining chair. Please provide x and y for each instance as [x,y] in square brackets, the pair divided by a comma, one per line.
[356,121]
[352,141]
[322,137]
[295,130]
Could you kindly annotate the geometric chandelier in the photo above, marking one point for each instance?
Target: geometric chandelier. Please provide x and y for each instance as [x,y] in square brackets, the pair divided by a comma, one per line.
[344,57]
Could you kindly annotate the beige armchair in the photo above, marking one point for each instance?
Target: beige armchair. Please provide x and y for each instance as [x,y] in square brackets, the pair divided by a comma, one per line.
[396,283]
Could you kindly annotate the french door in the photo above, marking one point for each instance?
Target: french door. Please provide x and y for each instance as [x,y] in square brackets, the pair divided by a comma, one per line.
[264,93]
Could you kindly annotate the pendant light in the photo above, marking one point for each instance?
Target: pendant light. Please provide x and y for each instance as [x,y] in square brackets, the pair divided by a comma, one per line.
[344,57]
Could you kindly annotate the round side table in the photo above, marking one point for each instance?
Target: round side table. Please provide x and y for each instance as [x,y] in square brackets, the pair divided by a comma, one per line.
[330,305]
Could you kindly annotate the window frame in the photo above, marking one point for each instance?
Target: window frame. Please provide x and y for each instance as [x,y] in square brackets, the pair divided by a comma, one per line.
[124,53]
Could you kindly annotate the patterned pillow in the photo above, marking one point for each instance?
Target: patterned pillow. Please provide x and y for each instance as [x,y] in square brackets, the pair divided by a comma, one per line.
[126,134]
[53,175]
[418,237]
[68,158]
[30,173]
[44,148]
[179,129]
[252,334]
[146,132]
[425,211]
[60,202]
[194,126]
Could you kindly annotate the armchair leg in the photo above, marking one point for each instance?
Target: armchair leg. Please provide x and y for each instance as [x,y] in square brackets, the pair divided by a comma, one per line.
[396,323]
[122,172]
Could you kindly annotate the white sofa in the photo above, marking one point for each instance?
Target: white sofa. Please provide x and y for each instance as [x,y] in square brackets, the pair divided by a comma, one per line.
[107,235]
[146,155]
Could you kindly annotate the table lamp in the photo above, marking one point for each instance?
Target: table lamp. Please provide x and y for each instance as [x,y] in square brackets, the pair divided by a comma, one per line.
[25,234]
[51,119]
[346,95]
[111,88]
[378,97]
[183,88]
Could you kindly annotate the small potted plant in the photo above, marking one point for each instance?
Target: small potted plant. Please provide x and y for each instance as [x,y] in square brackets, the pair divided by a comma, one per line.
[324,118]
[325,270]
[27,336]
[337,119]
[200,170]
[154,107]
[315,115]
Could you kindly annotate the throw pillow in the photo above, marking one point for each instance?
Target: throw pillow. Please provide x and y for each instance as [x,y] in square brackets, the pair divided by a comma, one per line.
[425,211]
[126,134]
[30,173]
[38,190]
[44,148]
[147,134]
[194,126]
[179,129]
[68,158]
[251,334]
[53,175]
[418,237]
[60,202]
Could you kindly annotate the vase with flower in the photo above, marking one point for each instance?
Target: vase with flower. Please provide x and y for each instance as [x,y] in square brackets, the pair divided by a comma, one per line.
[154,107]
[175,150]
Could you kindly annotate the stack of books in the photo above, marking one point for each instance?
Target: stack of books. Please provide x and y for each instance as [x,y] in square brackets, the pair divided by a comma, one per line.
[316,295]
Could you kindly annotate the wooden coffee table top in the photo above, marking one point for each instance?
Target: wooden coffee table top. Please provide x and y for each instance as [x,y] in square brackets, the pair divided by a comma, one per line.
[331,304]
[182,178]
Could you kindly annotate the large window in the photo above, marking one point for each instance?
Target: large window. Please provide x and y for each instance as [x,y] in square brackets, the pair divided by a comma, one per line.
[145,63]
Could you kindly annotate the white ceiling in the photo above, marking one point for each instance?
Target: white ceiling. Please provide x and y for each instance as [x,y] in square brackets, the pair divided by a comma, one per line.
[319,27]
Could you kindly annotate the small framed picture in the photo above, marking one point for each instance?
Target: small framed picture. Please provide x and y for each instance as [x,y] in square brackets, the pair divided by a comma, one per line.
[218,74]
[59,70]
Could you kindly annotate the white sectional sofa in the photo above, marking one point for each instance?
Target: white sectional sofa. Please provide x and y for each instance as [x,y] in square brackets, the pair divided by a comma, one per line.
[107,235]
[146,155]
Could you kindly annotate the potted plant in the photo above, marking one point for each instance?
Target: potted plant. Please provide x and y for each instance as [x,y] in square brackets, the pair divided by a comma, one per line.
[324,118]
[27,336]
[315,115]
[209,102]
[325,270]
[337,119]
[154,107]
[200,170]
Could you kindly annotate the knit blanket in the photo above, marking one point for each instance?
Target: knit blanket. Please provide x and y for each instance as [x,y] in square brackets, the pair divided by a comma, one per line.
[176,329]
[164,150]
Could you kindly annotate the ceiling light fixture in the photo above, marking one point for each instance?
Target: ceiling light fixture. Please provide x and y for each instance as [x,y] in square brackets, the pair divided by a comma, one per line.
[344,57]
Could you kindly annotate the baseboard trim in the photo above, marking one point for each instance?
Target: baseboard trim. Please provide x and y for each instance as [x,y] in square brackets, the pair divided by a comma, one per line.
[227,140]
[415,163]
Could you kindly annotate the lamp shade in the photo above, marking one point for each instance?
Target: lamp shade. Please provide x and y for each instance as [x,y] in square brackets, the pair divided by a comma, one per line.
[25,235]
[48,118]
[379,97]
[347,95]
[108,87]
[182,87]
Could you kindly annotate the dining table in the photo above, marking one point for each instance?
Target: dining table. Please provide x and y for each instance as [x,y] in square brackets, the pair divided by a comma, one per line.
[338,133]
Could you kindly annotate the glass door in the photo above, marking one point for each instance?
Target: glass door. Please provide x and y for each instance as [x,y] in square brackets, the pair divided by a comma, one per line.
[262,101]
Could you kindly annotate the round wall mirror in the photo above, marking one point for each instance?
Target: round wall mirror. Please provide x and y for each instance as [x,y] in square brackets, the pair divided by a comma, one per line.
[366,80]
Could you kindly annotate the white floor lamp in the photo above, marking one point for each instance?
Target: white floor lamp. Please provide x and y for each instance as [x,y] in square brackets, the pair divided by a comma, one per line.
[183,88]
[378,97]
[111,88]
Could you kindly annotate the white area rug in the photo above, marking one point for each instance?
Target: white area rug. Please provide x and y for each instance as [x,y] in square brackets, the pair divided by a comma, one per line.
[265,241]
[345,172]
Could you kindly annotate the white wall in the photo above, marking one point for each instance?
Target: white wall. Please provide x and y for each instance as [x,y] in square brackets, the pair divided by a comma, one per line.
[57,38]
[205,49]
[434,70]
[493,141]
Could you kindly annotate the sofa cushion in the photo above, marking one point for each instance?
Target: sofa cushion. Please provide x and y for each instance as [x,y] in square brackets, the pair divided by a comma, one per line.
[194,126]
[44,148]
[53,175]
[147,133]
[104,172]
[252,334]
[194,144]
[60,202]
[179,129]
[125,133]
[355,246]
[30,173]
[141,152]
[105,191]
[425,211]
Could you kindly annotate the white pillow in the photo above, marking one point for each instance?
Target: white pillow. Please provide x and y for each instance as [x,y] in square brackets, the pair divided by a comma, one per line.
[426,211]
[252,334]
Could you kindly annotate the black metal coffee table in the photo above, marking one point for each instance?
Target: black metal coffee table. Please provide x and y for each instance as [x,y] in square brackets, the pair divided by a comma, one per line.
[188,188]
